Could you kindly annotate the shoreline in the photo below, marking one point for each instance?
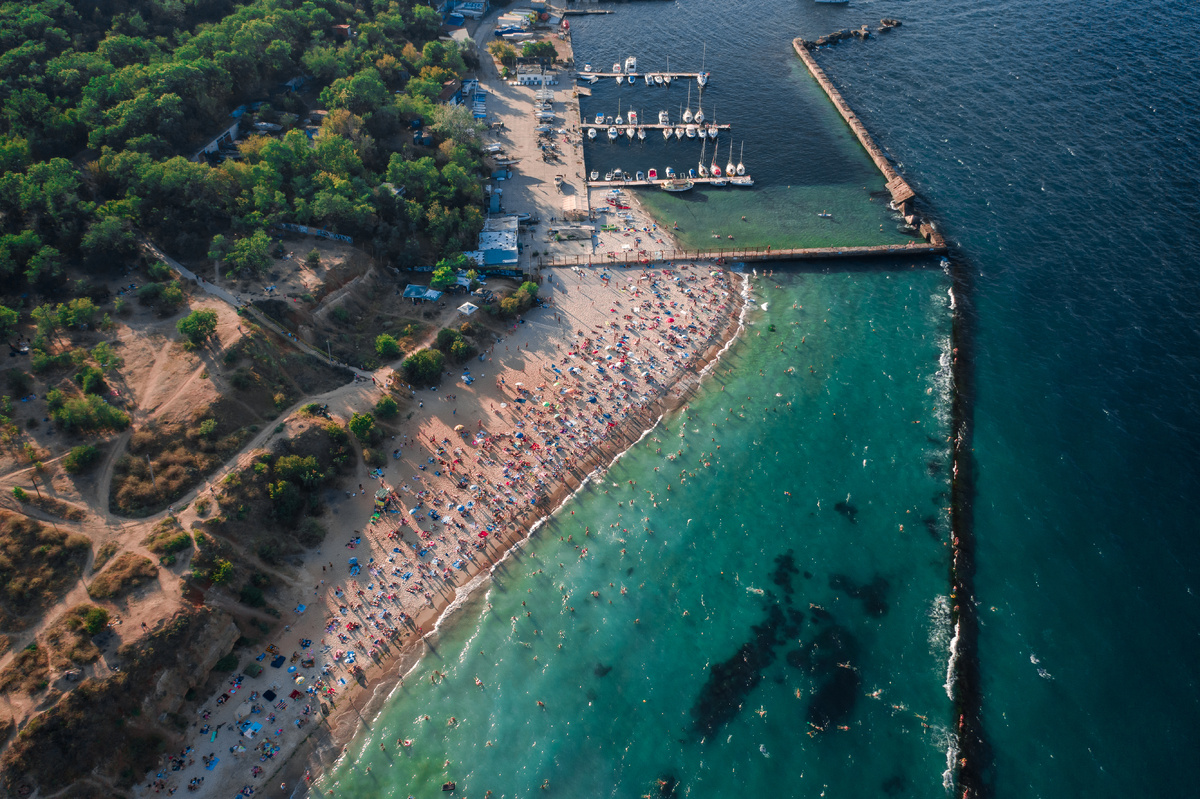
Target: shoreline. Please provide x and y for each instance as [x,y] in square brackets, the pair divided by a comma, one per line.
[324,746]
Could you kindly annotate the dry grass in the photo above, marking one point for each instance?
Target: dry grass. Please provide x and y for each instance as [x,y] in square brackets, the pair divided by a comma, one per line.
[127,572]
[37,565]
[64,645]
[103,554]
[57,508]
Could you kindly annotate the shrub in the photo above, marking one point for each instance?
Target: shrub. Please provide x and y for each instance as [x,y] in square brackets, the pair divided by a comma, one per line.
[207,428]
[386,408]
[103,354]
[313,259]
[424,366]
[91,380]
[227,663]
[340,314]
[95,619]
[310,533]
[286,500]
[80,458]
[221,573]
[387,347]
[87,413]
[20,494]
[197,326]
[362,425]
[252,595]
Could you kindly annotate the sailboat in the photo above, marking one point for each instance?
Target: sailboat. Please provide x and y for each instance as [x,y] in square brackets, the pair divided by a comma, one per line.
[729,167]
[687,114]
[702,78]
[741,168]
[666,133]
[617,69]
[620,120]
[715,168]
[667,74]
[701,168]
[642,134]
[700,109]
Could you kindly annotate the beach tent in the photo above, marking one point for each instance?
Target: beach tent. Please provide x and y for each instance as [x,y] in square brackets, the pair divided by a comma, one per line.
[466,309]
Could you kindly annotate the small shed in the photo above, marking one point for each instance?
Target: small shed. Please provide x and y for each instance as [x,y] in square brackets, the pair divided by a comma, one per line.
[466,309]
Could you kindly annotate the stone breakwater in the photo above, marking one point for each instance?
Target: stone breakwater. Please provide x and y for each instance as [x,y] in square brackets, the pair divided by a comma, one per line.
[902,194]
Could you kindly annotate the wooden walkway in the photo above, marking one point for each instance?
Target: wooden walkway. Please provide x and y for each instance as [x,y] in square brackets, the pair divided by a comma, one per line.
[913,250]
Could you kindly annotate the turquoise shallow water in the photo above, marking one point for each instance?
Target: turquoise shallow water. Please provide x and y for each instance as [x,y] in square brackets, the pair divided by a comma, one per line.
[845,470]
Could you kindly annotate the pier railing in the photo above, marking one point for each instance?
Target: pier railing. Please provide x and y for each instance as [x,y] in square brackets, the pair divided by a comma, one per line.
[914,249]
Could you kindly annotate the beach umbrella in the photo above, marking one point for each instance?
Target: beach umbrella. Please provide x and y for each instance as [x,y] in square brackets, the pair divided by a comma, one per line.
[504,405]
[545,405]
[458,428]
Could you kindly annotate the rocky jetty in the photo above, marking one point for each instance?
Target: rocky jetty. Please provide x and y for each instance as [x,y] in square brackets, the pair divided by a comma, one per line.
[861,32]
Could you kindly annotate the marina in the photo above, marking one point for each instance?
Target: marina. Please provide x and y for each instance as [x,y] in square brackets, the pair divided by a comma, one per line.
[671,75]
[745,181]
[657,126]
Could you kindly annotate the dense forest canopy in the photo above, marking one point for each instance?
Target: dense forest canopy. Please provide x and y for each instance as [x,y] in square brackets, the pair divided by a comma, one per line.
[102,105]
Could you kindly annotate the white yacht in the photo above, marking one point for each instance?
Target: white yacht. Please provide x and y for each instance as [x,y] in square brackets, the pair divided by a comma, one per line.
[630,131]
[594,175]
[608,120]
[640,175]
[658,80]
[702,79]
[687,113]
[699,110]
[670,173]
[679,132]
[591,133]
[729,167]
[713,130]
[620,120]
[744,181]
[599,119]
[617,69]
[641,134]
[632,116]
[741,168]
[691,131]
[612,134]
[702,131]
[631,65]
[666,133]
[664,118]
[631,78]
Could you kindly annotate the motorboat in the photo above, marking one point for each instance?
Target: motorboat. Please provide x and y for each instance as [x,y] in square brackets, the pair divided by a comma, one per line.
[631,78]
[666,133]
[620,120]
[744,181]
[670,173]
[589,78]
[594,175]
[591,133]
[641,175]
[692,174]
[658,80]
[721,182]
[616,67]
[612,134]
[691,131]
[825,215]
[641,134]
[631,65]
[664,118]
[652,174]
[676,185]
[587,67]
[599,119]
[608,175]
[702,131]
[741,168]
[608,120]
[632,116]
[679,132]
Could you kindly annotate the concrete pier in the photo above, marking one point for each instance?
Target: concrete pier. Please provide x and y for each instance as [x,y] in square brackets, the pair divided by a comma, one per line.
[914,250]
[902,193]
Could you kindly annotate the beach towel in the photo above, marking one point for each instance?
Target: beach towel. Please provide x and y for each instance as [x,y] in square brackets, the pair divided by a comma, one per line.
[214,763]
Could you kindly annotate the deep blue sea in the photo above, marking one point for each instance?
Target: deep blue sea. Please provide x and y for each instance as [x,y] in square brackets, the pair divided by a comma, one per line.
[797,577]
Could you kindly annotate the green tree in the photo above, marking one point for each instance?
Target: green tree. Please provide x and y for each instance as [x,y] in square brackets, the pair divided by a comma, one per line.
[387,347]
[197,326]
[286,500]
[362,425]
[442,276]
[8,321]
[386,408]
[80,458]
[539,50]
[304,470]
[424,366]
[313,260]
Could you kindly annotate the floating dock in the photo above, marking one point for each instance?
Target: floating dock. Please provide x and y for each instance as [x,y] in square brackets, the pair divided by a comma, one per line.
[649,126]
[641,76]
[620,184]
